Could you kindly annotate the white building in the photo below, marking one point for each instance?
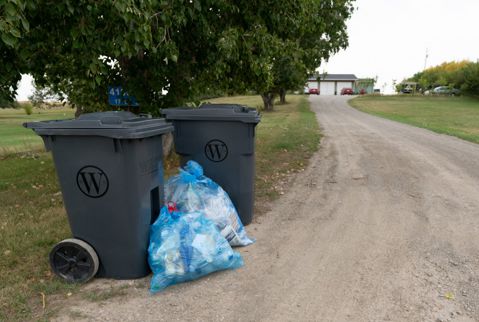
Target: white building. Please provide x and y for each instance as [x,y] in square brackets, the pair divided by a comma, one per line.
[331,84]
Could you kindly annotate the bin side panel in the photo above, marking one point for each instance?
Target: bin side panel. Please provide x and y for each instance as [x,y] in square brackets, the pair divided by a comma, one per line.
[106,186]
[225,150]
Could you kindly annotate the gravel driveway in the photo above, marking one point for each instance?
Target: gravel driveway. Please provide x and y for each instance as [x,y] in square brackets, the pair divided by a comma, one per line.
[382,226]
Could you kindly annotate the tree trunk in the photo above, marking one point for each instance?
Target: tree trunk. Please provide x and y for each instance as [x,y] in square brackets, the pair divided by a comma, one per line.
[282,96]
[78,111]
[268,101]
[167,142]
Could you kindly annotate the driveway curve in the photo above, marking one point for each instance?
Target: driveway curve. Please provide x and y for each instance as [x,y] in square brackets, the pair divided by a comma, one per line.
[383,225]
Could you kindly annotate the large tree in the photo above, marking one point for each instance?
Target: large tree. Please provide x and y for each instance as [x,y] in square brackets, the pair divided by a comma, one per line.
[13,26]
[266,40]
[166,52]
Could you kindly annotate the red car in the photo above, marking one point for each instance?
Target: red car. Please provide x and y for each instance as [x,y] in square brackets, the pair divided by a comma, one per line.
[347,91]
[314,91]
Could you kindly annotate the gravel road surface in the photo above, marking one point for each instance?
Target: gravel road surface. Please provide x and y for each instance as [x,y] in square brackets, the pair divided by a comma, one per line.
[382,226]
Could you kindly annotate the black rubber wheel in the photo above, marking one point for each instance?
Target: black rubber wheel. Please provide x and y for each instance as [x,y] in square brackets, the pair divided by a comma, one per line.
[74,261]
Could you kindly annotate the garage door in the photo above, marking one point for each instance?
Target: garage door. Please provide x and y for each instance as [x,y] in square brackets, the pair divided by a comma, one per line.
[312,84]
[342,85]
[326,88]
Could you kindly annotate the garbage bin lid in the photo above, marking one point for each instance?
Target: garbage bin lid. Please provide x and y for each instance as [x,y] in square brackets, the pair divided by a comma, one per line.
[214,112]
[113,124]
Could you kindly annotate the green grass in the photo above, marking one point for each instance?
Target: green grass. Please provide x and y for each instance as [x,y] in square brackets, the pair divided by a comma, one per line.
[456,116]
[33,219]
[251,101]
[15,138]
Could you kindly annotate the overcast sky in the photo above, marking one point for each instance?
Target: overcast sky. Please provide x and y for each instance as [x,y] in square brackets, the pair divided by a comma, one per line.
[389,39]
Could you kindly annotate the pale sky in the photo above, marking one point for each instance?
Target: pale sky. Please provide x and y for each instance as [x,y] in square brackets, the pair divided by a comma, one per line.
[389,39]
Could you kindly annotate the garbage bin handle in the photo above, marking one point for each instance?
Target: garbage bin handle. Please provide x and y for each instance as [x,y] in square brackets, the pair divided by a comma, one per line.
[236,107]
[111,120]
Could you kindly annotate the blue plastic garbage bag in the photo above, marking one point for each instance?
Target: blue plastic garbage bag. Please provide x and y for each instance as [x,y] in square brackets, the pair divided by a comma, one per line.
[186,246]
[193,191]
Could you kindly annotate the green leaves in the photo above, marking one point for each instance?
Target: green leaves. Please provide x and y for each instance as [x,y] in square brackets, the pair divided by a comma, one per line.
[25,24]
[445,74]
[12,21]
[167,52]
[70,7]
[10,8]
[8,39]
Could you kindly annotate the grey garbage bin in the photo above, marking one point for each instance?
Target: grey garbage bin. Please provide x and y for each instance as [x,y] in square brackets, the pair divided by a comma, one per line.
[110,168]
[221,137]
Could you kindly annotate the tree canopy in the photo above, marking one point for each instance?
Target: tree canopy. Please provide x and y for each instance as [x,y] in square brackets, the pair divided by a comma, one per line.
[445,74]
[166,53]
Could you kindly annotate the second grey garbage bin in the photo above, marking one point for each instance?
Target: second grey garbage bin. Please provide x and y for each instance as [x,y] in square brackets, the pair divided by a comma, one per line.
[110,168]
[221,137]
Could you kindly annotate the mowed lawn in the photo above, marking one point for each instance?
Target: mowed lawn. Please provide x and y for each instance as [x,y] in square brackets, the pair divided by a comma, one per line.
[15,138]
[456,116]
[33,218]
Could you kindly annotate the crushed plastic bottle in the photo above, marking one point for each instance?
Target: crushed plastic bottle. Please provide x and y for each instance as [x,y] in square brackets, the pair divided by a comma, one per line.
[186,246]
[192,191]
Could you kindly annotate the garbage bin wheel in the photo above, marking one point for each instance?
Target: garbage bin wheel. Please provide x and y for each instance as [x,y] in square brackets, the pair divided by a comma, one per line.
[74,261]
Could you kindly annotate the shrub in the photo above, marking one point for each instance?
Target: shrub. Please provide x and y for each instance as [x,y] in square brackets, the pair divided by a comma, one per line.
[471,79]
[28,108]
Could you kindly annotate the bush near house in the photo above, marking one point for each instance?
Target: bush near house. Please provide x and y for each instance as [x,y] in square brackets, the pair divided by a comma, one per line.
[463,75]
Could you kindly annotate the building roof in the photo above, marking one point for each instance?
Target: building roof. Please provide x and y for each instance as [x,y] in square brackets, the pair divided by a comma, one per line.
[333,77]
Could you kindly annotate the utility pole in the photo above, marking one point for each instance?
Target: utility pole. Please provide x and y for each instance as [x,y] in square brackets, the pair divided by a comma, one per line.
[425,59]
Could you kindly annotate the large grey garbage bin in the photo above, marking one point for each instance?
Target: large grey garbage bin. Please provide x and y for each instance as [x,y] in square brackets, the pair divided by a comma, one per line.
[110,168]
[221,137]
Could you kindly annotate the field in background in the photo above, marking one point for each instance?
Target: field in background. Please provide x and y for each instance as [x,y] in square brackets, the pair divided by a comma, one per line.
[15,138]
[251,101]
[456,116]
[33,219]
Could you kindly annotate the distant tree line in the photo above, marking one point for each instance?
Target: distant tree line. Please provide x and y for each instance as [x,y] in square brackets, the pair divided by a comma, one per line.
[463,75]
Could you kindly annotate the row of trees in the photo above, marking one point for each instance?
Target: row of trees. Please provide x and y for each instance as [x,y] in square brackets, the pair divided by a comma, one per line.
[462,75]
[166,53]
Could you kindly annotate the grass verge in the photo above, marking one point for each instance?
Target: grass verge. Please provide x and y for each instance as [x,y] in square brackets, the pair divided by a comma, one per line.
[15,138]
[33,219]
[456,116]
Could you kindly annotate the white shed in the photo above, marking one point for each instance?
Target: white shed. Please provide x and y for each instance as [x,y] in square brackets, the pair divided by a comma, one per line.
[332,84]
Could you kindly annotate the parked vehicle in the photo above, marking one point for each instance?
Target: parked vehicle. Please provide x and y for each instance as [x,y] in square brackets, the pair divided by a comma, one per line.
[455,92]
[314,91]
[446,90]
[407,90]
[347,91]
